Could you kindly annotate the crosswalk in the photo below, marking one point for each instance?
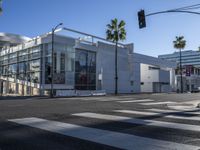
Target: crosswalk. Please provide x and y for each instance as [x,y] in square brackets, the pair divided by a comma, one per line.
[124,140]
[140,121]
[130,100]
[158,103]
[195,111]
[115,139]
[136,101]
[172,116]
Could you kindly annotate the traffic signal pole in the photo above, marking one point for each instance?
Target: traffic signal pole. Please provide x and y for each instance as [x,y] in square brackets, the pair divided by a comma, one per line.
[142,24]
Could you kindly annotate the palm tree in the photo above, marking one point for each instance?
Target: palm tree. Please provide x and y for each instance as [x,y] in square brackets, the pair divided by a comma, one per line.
[180,44]
[116,32]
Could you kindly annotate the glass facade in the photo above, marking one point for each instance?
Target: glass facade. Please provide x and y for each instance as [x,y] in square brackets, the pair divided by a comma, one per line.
[26,71]
[21,67]
[64,57]
[85,72]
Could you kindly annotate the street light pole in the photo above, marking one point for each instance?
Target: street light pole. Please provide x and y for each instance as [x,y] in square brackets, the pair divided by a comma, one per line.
[52,59]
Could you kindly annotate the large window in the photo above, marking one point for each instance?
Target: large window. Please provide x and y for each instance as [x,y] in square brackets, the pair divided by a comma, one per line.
[34,65]
[62,62]
[47,70]
[85,70]
[23,67]
[13,57]
[12,68]
[64,57]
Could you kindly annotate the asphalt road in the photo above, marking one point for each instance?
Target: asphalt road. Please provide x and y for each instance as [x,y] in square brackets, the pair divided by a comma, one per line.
[109,122]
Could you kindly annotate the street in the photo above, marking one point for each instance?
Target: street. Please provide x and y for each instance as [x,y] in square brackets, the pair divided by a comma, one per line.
[137,122]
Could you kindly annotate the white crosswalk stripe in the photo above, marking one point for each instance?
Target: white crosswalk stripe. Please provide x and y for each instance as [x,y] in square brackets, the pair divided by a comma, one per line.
[158,114]
[191,112]
[136,101]
[111,138]
[146,122]
[158,103]
[107,99]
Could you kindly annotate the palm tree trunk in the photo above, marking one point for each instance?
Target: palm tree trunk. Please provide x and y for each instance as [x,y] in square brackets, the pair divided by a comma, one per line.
[181,71]
[116,71]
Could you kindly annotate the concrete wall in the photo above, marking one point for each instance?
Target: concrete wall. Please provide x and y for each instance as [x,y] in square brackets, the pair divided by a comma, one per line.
[106,66]
[136,78]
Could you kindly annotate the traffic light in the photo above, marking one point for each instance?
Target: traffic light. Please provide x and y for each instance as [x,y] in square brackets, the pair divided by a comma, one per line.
[141,19]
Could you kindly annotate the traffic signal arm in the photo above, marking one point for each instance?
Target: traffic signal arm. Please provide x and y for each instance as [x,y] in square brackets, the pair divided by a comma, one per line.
[142,16]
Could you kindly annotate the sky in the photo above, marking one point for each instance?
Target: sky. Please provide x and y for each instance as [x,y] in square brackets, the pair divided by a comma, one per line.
[35,17]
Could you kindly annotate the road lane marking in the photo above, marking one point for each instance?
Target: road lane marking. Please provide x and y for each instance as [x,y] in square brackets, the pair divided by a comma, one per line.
[147,122]
[116,99]
[105,137]
[135,101]
[177,111]
[173,116]
[157,103]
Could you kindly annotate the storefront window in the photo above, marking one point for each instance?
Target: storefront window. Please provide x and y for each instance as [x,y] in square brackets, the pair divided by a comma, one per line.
[85,72]
[23,67]
[64,58]
[34,65]
[35,77]
[12,69]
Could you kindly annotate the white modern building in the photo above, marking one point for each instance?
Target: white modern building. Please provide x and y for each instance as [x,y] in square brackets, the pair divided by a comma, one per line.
[153,75]
[81,66]
[7,40]
[191,69]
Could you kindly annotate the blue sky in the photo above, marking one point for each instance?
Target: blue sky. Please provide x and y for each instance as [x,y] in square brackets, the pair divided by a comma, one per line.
[35,17]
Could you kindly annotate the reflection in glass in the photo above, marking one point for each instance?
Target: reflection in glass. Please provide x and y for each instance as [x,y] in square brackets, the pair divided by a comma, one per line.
[85,76]
[64,58]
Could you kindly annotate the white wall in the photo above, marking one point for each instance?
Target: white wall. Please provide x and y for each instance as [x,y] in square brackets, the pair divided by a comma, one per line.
[143,75]
[106,65]
[148,77]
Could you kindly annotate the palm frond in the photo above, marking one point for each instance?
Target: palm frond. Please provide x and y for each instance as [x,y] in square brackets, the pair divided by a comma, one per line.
[121,24]
[179,43]
[109,26]
[115,31]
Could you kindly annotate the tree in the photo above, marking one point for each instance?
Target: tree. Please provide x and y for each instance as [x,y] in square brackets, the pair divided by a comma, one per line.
[116,32]
[180,44]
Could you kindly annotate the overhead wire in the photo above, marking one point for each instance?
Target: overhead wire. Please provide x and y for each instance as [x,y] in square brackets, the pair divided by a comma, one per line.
[196,6]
